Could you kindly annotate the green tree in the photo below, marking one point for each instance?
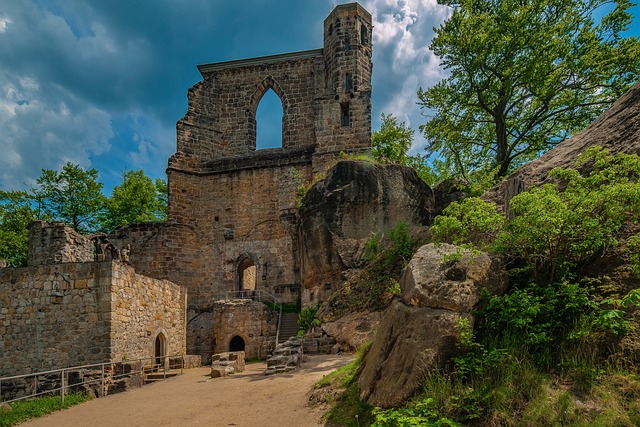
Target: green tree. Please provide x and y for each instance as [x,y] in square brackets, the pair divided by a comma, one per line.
[73,196]
[393,140]
[523,77]
[392,143]
[137,199]
[15,215]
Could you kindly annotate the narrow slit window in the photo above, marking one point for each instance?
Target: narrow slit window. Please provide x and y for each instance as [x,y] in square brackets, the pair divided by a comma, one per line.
[348,82]
[347,45]
[344,107]
[363,34]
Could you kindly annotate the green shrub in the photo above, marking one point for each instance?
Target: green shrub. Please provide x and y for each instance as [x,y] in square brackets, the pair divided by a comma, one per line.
[307,319]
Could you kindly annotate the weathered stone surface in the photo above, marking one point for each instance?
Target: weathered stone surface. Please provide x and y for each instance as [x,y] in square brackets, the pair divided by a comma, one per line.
[617,129]
[410,342]
[249,320]
[355,199]
[108,312]
[353,330]
[419,332]
[227,363]
[431,281]
[286,357]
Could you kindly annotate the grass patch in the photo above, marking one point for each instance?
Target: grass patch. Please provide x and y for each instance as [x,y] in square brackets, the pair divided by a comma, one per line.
[24,410]
[339,390]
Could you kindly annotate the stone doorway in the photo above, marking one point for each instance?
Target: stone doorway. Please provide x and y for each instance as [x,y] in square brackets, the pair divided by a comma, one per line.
[247,275]
[236,344]
[160,349]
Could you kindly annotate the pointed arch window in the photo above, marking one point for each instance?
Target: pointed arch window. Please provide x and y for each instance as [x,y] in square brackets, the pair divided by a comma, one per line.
[269,121]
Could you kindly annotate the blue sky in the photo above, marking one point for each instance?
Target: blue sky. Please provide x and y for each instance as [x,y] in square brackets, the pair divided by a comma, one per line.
[102,83]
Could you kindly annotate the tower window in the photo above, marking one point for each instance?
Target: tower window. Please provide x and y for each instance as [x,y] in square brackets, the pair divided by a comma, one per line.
[344,107]
[347,45]
[363,34]
[348,82]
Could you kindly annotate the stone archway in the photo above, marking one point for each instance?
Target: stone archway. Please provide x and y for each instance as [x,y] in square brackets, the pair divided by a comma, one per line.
[160,349]
[247,274]
[237,343]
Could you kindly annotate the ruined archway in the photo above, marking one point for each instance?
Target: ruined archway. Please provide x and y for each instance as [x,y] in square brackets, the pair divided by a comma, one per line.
[237,344]
[269,121]
[247,274]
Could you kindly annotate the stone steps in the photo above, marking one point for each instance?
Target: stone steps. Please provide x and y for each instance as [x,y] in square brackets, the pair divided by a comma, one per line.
[288,326]
[155,377]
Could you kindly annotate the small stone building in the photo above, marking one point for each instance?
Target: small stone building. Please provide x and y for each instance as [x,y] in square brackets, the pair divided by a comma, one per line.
[233,216]
[65,309]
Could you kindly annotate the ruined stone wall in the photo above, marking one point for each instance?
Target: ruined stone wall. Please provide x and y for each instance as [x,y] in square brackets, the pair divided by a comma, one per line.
[251,321]
[36,335]
[142,308]
[105,314]
[54,243]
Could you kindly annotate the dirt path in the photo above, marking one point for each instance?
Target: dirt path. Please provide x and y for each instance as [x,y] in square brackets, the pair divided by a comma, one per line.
[245,399]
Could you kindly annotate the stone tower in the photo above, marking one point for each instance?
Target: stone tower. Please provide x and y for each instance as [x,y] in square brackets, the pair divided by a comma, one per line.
[347,58]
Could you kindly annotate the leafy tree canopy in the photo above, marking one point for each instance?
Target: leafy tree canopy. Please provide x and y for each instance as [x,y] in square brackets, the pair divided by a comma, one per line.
[523,77]
[137,199]
[392,144]
[73,196]
[15,215]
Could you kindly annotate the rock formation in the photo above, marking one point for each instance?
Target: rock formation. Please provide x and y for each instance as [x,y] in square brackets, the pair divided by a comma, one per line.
[340,212]
[617,129]
[419,332]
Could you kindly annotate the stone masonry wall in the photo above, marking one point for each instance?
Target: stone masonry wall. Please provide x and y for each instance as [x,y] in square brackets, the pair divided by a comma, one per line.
[251,321]
[54,243]
[36,335]
[86,328]
[142,308]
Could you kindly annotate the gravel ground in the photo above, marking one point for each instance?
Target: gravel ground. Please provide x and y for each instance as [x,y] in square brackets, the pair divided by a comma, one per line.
[244,399]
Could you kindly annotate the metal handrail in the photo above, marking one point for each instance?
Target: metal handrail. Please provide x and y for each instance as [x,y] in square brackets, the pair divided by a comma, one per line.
[64,385]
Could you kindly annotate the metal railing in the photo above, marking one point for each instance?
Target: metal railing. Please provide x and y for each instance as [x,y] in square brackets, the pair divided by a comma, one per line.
[97,377]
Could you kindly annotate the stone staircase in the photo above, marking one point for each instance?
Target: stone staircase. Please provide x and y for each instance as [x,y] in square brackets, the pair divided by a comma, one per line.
[288,326]
[158,376]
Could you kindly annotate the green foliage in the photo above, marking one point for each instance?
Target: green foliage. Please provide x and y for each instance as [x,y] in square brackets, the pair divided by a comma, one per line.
[554,228]
[421,413]
[341,389]
[307,319]
[391,144]
[137,199]
[374,287]
[24,410]
[15,215]
[73,196]
[470,220]
[523,76]
[392,141]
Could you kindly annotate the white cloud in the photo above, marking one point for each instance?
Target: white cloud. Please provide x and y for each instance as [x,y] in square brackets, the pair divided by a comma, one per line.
[403,63]
[38,134]
[4,24]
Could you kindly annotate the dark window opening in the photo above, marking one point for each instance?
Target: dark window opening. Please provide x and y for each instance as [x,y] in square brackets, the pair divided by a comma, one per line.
[363,34]
[347,45]
[330,29]
[345,113]
[348,84]
[236,344]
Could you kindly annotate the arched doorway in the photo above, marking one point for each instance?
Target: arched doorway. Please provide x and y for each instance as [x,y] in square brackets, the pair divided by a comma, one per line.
[246,281]
[160,352]
[236,344]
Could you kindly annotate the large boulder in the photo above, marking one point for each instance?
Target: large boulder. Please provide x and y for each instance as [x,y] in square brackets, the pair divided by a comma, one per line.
[410,342]
[354,329]
[340,212]
[431,281]
[420,331]
[617,129]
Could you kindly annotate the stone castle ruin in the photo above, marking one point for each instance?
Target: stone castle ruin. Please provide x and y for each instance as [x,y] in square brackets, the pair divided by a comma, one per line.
[232,228]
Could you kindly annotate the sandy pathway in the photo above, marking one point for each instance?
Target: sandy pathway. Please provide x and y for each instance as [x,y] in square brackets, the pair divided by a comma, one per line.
[246,399]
